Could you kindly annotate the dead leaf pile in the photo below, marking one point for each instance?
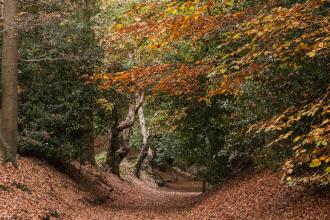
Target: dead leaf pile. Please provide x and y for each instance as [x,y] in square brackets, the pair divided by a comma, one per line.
[39,191]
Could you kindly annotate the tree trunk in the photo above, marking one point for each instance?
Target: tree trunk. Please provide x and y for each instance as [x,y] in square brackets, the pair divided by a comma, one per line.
[87,137]
[116,152]
[145,146]
[150,156]
[204,186]
[113,145]
[87,141]
[122,152]
[9,81]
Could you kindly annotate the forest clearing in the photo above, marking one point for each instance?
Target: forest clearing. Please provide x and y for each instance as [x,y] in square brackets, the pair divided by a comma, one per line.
[165,109]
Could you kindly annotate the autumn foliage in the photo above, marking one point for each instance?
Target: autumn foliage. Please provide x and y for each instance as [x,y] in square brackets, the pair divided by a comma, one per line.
[203,50]
[307,131]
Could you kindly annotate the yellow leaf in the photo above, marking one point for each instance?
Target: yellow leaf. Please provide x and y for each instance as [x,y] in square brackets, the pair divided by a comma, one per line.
[296,139]
[303,46]
[236,36]
[311,54]
[118,26]
[236,67]
[287,44]
[315,163]
[296,147]
[327,170]
[223,70]
[325,122]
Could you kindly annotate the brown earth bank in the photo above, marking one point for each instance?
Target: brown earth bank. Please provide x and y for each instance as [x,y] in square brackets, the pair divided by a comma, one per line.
[39,191]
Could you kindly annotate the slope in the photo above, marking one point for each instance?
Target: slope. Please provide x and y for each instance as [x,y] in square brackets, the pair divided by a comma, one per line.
[39,191]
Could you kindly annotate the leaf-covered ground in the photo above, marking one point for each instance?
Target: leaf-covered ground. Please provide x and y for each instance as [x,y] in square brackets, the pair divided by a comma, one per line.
[39,191]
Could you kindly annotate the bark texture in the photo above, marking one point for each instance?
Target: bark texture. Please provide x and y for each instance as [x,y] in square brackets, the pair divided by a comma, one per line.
[9,82]
[146,151]
[87,142]
[118,151]
[87,135]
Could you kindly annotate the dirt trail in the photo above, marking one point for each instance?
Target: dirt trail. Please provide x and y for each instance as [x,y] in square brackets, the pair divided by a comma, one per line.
[38,191]
[141,199]
[148,203]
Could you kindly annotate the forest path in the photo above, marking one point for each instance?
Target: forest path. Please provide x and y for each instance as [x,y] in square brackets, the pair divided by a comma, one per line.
[250,196]
[39,191]
[149,203]
[142,199]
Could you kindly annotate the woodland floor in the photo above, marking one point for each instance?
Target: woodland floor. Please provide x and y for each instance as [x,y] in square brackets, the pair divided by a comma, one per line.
[39,191]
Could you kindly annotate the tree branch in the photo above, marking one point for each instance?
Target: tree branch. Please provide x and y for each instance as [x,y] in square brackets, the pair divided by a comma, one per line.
[47,59]
[132,111]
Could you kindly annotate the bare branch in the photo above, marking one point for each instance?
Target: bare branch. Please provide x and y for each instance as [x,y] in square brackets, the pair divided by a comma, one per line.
[51,59]
[45,59]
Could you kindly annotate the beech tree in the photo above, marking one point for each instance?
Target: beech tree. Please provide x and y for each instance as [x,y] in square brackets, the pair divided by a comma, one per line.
[87,139]
[146,148]
[9,82]
[265,63]
[117,152]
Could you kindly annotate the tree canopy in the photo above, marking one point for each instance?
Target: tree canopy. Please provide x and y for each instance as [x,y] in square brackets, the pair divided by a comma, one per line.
[264,63]
[224,84]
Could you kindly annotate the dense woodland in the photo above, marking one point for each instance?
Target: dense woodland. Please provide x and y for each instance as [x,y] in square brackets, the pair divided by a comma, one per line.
[212,88]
